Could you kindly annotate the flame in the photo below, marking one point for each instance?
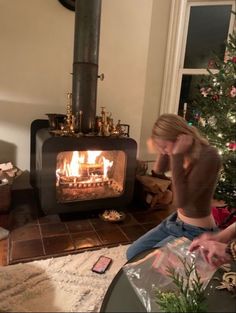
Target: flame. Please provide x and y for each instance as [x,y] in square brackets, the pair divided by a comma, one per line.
[74,167]
[106,165]
[82,159]
[92,155]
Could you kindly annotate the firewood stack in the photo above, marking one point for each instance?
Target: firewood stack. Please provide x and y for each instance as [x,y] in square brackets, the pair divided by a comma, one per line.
[7,174]
[154,190]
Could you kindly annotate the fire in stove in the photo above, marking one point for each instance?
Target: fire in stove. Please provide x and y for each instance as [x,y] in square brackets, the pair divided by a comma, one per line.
[89,175]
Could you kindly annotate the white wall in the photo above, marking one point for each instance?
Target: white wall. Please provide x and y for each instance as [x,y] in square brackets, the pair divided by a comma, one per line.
[124,44]
[36,57]
[36,39]
[155,72]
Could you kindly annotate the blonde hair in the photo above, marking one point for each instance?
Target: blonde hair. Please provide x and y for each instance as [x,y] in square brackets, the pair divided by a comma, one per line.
[170,126]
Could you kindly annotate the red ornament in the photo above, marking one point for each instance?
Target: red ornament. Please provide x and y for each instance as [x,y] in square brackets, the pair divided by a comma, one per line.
[215,97]
[234,59]
[211,64]
[232,146]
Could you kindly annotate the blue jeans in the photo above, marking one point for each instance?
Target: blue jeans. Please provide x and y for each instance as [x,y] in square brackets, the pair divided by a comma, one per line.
[169,229]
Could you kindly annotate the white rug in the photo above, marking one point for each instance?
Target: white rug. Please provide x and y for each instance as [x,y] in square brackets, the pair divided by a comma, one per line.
[64,284]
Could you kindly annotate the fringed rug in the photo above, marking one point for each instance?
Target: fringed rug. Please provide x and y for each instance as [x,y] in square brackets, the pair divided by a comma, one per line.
[63,284]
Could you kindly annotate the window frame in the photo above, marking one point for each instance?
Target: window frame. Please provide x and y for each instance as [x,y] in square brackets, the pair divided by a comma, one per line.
[176,45]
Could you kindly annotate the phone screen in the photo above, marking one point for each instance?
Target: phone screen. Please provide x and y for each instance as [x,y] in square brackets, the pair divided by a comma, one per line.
[102,264]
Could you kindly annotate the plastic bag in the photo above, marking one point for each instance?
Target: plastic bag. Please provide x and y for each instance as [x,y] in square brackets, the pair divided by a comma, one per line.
[149,274]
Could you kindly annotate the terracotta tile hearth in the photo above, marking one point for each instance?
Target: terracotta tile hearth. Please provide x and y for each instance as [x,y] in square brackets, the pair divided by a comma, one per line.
[35,236]
[41,240]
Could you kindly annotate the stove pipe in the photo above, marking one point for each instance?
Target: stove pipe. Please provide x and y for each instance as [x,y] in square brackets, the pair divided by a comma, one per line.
[85,63]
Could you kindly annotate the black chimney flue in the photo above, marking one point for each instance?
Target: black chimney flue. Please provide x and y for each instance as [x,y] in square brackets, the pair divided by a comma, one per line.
[85,64]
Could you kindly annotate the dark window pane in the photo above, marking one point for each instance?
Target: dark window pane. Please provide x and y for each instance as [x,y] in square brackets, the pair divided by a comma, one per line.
[207,34]
[188,93]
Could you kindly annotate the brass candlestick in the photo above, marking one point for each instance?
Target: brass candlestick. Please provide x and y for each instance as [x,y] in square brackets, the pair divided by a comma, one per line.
[70,118]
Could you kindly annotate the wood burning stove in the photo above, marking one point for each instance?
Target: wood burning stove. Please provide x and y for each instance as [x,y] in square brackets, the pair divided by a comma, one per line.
[82,171]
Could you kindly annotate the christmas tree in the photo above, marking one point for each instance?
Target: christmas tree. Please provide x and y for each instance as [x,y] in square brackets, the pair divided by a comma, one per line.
[215,105]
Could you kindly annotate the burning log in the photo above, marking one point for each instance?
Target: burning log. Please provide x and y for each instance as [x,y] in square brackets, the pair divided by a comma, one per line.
[66,193]
[81,182]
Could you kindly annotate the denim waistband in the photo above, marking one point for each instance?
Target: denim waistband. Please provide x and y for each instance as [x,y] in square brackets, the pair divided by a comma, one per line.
[180,222]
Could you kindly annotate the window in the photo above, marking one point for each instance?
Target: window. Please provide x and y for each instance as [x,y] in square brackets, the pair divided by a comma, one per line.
[198,31]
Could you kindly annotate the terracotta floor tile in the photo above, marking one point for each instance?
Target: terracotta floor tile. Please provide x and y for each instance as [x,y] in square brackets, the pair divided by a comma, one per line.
[79,225]
[146,217]
[86,240]
[27,232]
[98,224]
[53,218]
[75,216]
[53,229]
[149,226]
[129,220]
[133,232]
[26,250]
[57,244]
[112,237]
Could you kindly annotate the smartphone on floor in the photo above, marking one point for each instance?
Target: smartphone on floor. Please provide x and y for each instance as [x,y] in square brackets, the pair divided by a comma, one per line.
[102,264]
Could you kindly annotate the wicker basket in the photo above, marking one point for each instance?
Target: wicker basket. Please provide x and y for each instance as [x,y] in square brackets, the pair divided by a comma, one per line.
[5,196]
